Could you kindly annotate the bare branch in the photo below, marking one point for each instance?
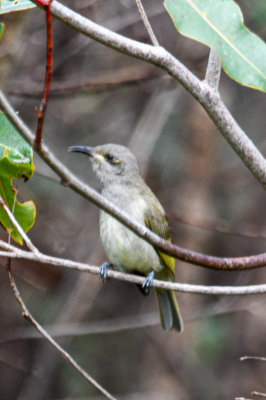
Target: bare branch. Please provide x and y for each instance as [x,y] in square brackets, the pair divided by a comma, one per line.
[18,227]
[245,231]
[26,314]
[244,358]
[40,112]
[153,119]
[180,287]
[7,246]
[237,263]
[111,325]
[105,81]
[146,23]
[213,71]
[259,394]
[202,91]
[241,398]
[102,326]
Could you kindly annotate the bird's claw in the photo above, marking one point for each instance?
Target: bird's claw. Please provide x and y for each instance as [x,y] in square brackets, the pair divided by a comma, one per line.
[103,271]
[147,284]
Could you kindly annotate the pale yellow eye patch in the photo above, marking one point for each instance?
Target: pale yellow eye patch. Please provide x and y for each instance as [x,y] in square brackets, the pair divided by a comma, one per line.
[117,162]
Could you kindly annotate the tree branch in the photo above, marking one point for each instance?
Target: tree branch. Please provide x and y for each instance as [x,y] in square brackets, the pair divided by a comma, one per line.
[27,315]
[180,287]
[237,263]
[146,23]
[103,326]
[259,394]
[244,358]
[202,91]
[48,74]
[213,72]
[18,227]
[106,81]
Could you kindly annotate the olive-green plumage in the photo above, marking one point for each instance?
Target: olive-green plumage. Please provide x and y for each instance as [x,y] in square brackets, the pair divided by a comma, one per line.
[118,171]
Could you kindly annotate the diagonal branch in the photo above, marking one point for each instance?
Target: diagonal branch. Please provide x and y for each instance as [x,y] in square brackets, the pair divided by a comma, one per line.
[237,263]
[27,315]
[146,23]
[18,227]
[202,91]
[25,312]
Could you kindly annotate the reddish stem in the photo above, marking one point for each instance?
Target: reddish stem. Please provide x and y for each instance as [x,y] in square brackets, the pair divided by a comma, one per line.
[43,3]
[48,74]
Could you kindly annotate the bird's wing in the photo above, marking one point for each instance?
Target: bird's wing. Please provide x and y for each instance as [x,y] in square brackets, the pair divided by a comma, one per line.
[156,221]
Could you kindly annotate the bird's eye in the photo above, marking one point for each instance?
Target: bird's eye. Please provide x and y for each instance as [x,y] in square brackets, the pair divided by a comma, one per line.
[109,157]
[112,159]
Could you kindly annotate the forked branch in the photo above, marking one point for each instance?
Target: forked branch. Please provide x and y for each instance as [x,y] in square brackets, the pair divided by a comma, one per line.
[203,92]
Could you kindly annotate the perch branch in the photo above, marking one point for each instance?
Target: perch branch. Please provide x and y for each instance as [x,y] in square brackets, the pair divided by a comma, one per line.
[180,287]
[237,263]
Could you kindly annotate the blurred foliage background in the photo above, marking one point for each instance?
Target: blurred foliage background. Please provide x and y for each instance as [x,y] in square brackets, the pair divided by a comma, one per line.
[213,202]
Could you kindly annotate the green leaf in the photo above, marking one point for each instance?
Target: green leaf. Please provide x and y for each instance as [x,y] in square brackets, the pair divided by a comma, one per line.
[219,25]
[1,29]
[15,162]
[7,6]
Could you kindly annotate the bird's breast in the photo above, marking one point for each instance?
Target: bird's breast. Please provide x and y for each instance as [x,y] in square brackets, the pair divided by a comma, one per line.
[126,250]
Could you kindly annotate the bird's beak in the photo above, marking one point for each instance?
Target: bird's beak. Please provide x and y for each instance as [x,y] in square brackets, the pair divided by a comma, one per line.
[90,151]
[83,149]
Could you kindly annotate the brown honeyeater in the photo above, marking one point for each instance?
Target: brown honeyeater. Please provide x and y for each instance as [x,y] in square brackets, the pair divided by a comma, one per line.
[117,169]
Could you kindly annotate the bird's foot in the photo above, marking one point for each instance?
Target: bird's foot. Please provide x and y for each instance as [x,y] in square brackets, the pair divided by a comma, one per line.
[148,282]
[103,270]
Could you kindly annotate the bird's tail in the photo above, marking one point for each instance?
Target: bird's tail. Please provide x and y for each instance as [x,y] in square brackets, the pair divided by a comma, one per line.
[169,310]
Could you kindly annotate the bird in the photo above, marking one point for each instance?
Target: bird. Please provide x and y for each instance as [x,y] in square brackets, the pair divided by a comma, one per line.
[118,171]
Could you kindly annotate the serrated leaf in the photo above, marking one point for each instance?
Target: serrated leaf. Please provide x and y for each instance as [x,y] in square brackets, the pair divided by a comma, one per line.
[219,25]
[7,6]
[15,162]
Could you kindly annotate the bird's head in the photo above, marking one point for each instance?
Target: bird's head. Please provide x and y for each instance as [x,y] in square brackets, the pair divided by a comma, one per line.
[112,163]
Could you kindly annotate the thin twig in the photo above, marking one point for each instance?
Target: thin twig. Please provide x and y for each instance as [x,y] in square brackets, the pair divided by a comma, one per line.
[213,72]
[26,314]
[111,325]
[157,55]
[97,327]
[259,394]
[220,263]
[117,24]
[244,358]
[13,208]
[106,81]
[241,398]
[18,227]
[180,287]
[6,246]
[245,231]
[153,118]
[48,74]
[146,23]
